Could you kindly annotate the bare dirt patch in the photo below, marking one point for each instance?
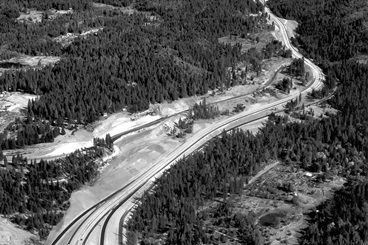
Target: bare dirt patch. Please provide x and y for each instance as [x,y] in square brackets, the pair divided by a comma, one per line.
[33,61]
[11,235]
[116,122]
[103,6]
[32,16]
[16,100]
[290,25]
[25,61]
[36,16]
[257,41]
[53,13]
[62,145]
[68,38]
[11,105]
[124,10]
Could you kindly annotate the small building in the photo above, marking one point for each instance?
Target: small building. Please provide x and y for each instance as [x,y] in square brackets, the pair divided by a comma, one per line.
[308,174]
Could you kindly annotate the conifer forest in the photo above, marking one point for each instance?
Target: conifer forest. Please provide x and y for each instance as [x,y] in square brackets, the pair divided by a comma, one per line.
[149,52]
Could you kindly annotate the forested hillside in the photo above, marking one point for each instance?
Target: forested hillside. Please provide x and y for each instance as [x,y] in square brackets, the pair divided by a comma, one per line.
[168,50]
[330,30]
[131,62]
[38,38]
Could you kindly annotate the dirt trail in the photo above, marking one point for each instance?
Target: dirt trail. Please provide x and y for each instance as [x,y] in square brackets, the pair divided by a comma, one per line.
[263,171]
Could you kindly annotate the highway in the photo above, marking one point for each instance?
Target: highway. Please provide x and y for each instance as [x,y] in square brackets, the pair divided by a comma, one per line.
[102,220]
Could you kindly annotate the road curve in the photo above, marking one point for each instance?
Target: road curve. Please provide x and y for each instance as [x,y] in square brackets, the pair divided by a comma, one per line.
[79,231]
[115,236]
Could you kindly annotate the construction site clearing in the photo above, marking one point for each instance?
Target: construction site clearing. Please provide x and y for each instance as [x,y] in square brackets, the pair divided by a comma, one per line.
[282,197]
[35,16]
[26,61]
[277,202]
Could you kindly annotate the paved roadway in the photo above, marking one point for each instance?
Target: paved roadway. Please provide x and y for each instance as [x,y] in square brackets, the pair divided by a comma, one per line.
[108,212]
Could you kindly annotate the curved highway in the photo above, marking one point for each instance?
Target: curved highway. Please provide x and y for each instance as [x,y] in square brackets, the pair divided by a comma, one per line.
[102,220]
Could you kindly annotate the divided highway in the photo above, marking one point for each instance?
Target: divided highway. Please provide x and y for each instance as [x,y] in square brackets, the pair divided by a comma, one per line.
[102,220]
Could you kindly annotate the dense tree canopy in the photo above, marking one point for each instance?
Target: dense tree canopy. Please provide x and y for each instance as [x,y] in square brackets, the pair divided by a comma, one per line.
[330,30]
[135,60]
[38,193]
